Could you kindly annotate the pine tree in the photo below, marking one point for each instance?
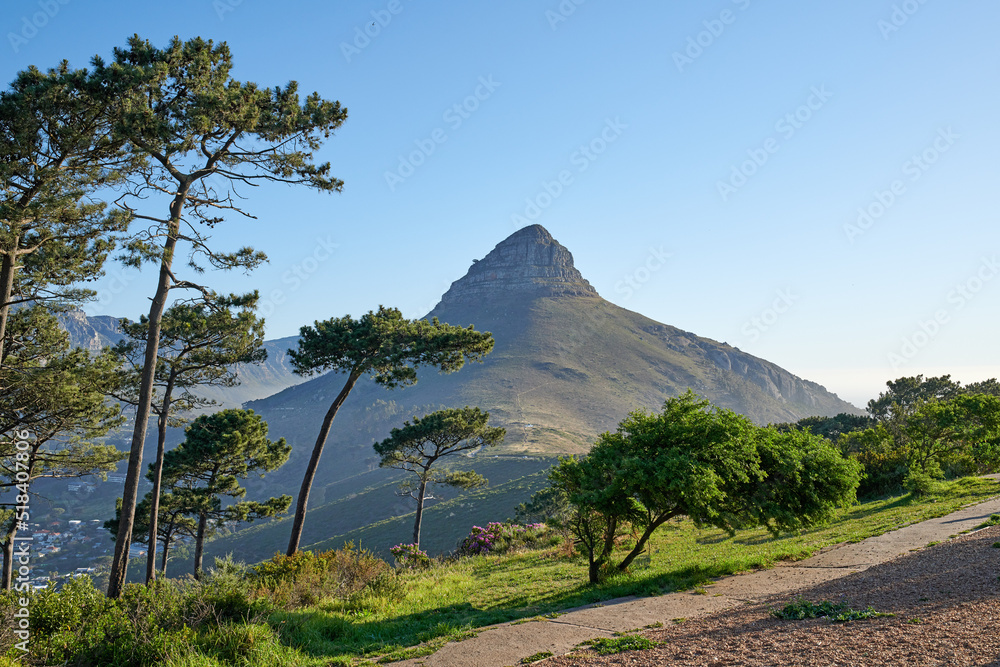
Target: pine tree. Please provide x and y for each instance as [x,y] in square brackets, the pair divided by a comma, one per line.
[197,134]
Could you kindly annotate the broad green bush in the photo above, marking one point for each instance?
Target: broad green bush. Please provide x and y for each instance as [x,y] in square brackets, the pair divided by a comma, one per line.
[78,625]
[307,578]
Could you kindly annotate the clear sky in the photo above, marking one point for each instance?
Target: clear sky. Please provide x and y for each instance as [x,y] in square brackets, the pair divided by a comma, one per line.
[814,183]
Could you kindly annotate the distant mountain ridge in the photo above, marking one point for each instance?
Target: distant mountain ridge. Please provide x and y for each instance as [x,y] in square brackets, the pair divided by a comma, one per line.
[92,332]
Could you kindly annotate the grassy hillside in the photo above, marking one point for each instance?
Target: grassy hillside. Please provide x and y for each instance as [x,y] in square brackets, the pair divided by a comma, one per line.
[563,371]
[369,511]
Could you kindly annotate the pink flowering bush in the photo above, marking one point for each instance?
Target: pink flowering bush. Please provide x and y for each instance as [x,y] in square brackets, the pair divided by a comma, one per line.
[410,556]
[499,538]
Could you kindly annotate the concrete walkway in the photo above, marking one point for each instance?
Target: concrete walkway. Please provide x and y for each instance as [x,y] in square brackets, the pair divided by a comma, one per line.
[509,643]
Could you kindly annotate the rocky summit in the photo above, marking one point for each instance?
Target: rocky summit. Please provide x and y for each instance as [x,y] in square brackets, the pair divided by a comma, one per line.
[527,263]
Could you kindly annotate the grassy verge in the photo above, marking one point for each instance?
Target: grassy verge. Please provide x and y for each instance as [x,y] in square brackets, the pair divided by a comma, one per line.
[418,611]
[452,600]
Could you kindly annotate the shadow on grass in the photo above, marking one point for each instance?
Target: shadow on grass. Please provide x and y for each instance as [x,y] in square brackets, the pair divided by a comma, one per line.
[319,633]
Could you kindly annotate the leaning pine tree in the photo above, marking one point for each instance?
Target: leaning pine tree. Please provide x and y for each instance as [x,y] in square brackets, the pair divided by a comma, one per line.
[198,134]
[385,346]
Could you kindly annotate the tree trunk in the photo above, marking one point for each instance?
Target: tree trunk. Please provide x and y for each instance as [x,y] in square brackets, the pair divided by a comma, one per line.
[154,515]
[166,553]
[199,545]
[300,508]
[642,541]
[420,512]
[594,571]
[8,556]
[119,566]
[8,267]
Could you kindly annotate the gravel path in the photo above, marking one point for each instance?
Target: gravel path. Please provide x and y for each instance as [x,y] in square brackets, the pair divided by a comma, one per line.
[946,599]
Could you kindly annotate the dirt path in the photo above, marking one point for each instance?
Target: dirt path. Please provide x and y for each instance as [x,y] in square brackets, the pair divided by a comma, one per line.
[508,644]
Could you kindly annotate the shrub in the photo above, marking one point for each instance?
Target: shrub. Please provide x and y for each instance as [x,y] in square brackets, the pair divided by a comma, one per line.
[78,625]
[410,556]
[922,482]
[500,538]
[306,578]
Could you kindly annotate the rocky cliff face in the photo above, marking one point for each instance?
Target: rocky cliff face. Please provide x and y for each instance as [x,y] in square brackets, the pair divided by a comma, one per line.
[90,333]
[529,263]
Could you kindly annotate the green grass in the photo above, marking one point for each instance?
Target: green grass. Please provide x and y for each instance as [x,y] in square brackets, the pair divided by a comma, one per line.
[837,613]
[471,593]
[612,645]
[453,600]
[536,657]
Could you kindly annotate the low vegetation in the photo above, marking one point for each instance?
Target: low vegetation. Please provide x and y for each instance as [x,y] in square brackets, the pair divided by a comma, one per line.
[612,645]
[339,607]
[837,612]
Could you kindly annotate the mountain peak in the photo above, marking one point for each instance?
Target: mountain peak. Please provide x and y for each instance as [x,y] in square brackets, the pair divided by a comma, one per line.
[528,263]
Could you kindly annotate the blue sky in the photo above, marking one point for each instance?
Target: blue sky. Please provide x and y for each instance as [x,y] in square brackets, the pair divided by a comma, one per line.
[814,183]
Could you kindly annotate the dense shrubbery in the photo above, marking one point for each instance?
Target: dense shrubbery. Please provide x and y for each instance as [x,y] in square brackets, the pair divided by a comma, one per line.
[306,577]
[224,616]
[918,432]
[501,538]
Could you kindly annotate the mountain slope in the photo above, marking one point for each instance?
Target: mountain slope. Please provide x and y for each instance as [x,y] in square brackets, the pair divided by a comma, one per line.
[567,365]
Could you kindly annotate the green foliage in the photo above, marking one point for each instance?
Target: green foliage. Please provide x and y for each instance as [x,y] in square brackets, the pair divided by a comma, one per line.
[884,464]
[709,464]
[307,578]
[54,399]
[386,346]
[548,505]
[541,655]
[620,644]
[501,538]
[199,345]
[906,392]
[195,135]
[994,520]
[924,430]
[410,557]
[923,481]
[831,428]
[217,452]
[418,445]
[837,613]
[58,150]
